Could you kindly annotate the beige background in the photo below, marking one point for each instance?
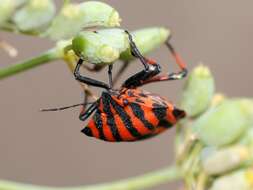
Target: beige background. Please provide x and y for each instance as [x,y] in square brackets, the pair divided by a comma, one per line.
[48,149]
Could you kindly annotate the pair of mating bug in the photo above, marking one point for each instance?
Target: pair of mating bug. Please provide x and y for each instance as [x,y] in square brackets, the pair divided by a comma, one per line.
[128,113]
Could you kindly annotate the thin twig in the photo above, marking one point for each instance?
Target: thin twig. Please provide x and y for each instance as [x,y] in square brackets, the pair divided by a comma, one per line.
[43,58]
[136,183]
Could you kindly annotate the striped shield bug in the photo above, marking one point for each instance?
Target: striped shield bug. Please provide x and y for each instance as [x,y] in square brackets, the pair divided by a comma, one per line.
[129,113]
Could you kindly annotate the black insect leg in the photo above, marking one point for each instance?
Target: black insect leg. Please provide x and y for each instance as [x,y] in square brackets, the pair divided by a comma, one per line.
[151,68]
[86,98]
[86,113]
[135,51]
[87,80]
[110,75]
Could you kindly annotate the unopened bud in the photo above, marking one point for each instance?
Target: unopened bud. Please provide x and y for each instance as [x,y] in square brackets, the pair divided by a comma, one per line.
[223,124]
[103,46]
[225,159]
[6,9]
[239,180]
[198,91]
[74,17]
[147,40]
[35,15]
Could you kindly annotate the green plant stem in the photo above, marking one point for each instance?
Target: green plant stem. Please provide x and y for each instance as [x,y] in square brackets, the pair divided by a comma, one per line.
[136,183]
[28,64]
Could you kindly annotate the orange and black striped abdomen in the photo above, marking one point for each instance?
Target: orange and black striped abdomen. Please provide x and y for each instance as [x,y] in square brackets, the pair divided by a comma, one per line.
[165,113]
[123,118]
[103,124]
[111,120]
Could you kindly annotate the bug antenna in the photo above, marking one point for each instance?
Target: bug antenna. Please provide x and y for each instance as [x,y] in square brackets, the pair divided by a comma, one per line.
[65,107]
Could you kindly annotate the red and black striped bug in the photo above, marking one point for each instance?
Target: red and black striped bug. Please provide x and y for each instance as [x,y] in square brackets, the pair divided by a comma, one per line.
[131,114]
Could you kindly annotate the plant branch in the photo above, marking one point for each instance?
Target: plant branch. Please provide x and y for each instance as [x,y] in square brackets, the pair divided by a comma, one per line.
[28,64]
[136,183]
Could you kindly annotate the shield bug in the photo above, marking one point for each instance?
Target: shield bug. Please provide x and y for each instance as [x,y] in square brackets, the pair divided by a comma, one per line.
[129,113]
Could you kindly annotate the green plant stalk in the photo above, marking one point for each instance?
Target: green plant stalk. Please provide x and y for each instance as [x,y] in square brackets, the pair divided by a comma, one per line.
[136,183]
[41,59]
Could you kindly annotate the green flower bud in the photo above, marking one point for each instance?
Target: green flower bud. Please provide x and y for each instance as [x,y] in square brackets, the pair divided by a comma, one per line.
[198,91]
[19,3]
[6,9]
[247,107]
[239,180]
[217,99]
[104,46]
[147,40]
[223,160]
[74,17]
[34,15]
[247,140]
[225,123]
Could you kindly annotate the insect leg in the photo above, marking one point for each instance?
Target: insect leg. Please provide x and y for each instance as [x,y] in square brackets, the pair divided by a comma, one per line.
[86,113]
[110,75]
[151,68]
[174,75]
[177,57]
[87,80]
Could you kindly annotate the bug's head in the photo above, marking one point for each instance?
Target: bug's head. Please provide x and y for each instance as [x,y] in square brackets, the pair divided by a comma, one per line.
[87,131]
[179,114]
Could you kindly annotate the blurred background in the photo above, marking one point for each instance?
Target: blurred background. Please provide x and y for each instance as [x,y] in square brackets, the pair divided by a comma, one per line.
[48,148]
